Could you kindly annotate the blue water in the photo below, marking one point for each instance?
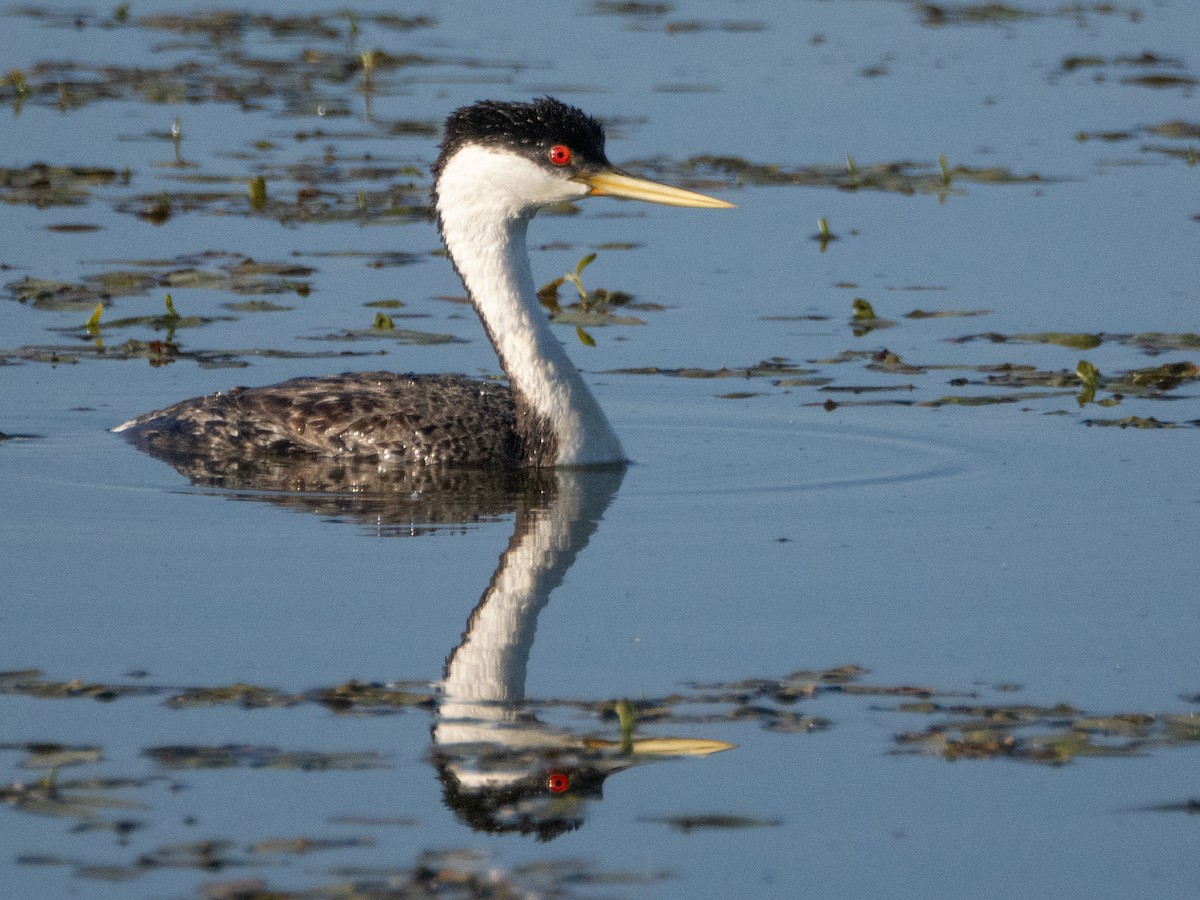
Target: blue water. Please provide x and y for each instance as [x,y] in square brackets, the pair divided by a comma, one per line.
[956,548]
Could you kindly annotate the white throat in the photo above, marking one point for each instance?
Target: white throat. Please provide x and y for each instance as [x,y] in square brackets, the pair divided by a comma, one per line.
[486,198]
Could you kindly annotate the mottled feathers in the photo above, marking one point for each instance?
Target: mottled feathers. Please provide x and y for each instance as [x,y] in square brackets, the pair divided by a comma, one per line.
[429,419]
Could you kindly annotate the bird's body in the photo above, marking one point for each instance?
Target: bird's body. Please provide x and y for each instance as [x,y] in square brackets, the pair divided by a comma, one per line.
[406,418]
[499,163]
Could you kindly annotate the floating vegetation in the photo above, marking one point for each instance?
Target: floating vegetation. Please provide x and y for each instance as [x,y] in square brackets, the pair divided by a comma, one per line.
[363,696]
[650,17]
[1154,71]
[85,799]
[55,296]
[1017,383]
[256,192]
[30,683]
[1178,129]
[161,353]
[961,726]
[302,846]
[1161,80]
[894,177]
[686,824]
[256,306]
[595,308]
[965,727]
[938,15]
[305,82]
[247,696]
[383,328]
[1151,343]
[397,203]
[824,235]
[230,272]
[168,322]
[1146,422]
[43,186]
[863,319]
[945,313]
[54,756]
[460,874]
[1175,129]
[770,368]
[1053,735]
[629,8]
[74,228]
[252,756]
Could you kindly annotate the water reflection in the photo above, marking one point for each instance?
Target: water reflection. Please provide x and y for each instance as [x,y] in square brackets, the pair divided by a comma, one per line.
[502,769]
[389,500]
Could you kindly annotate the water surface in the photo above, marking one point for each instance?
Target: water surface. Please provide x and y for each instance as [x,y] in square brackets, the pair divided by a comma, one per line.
[938,500]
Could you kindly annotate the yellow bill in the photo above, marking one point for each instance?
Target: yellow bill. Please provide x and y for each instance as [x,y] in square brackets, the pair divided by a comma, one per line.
[665,746]
[612,183]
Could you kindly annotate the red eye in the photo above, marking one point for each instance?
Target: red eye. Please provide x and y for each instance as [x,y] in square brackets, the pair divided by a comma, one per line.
[559,154]
[557,782]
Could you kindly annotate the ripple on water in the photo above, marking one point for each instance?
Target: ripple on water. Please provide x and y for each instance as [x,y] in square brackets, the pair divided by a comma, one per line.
[754,452]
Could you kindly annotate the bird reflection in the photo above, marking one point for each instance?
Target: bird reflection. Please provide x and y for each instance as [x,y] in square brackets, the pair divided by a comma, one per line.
[502,769]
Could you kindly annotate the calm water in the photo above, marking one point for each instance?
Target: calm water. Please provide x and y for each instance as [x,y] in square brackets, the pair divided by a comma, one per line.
[954,514]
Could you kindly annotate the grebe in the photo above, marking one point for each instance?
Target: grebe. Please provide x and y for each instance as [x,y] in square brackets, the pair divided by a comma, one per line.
[497,165]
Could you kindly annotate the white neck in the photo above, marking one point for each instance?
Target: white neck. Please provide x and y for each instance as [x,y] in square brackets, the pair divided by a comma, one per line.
[485,675]
[484,207]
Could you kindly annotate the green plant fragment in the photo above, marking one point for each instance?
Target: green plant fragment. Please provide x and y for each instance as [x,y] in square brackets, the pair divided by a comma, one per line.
[92,325]
[257,191]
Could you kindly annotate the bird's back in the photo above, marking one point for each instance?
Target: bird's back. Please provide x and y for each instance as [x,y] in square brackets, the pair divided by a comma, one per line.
[429,419]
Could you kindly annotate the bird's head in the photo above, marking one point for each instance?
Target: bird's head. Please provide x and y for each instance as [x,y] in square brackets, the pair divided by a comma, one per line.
[523,156]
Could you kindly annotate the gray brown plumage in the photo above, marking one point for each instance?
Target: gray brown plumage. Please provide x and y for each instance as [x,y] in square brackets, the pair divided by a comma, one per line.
[404,419]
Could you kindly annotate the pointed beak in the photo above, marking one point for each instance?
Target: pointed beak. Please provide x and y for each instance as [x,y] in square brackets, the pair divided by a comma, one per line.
[611,183]
[665,746]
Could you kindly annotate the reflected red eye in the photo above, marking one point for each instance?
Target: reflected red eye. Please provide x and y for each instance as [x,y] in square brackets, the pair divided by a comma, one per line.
[557,782]
[559,154]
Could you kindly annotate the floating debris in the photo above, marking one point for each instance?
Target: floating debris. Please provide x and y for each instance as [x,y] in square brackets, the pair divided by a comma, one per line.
[686,824]
[770,368]
[252,756]
[939,15]
[44,186]
[383,328]
[302,846]
[945,313]
[31,683]
[230,272]
[1060,733]
[895,177]
[358,695]
[1151,343]
[247,696]
[1140,422]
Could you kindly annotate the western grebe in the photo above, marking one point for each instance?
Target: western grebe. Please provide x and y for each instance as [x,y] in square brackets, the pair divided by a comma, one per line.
[498,164]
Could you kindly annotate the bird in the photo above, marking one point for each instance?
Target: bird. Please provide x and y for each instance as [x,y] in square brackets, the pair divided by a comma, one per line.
[498,163]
